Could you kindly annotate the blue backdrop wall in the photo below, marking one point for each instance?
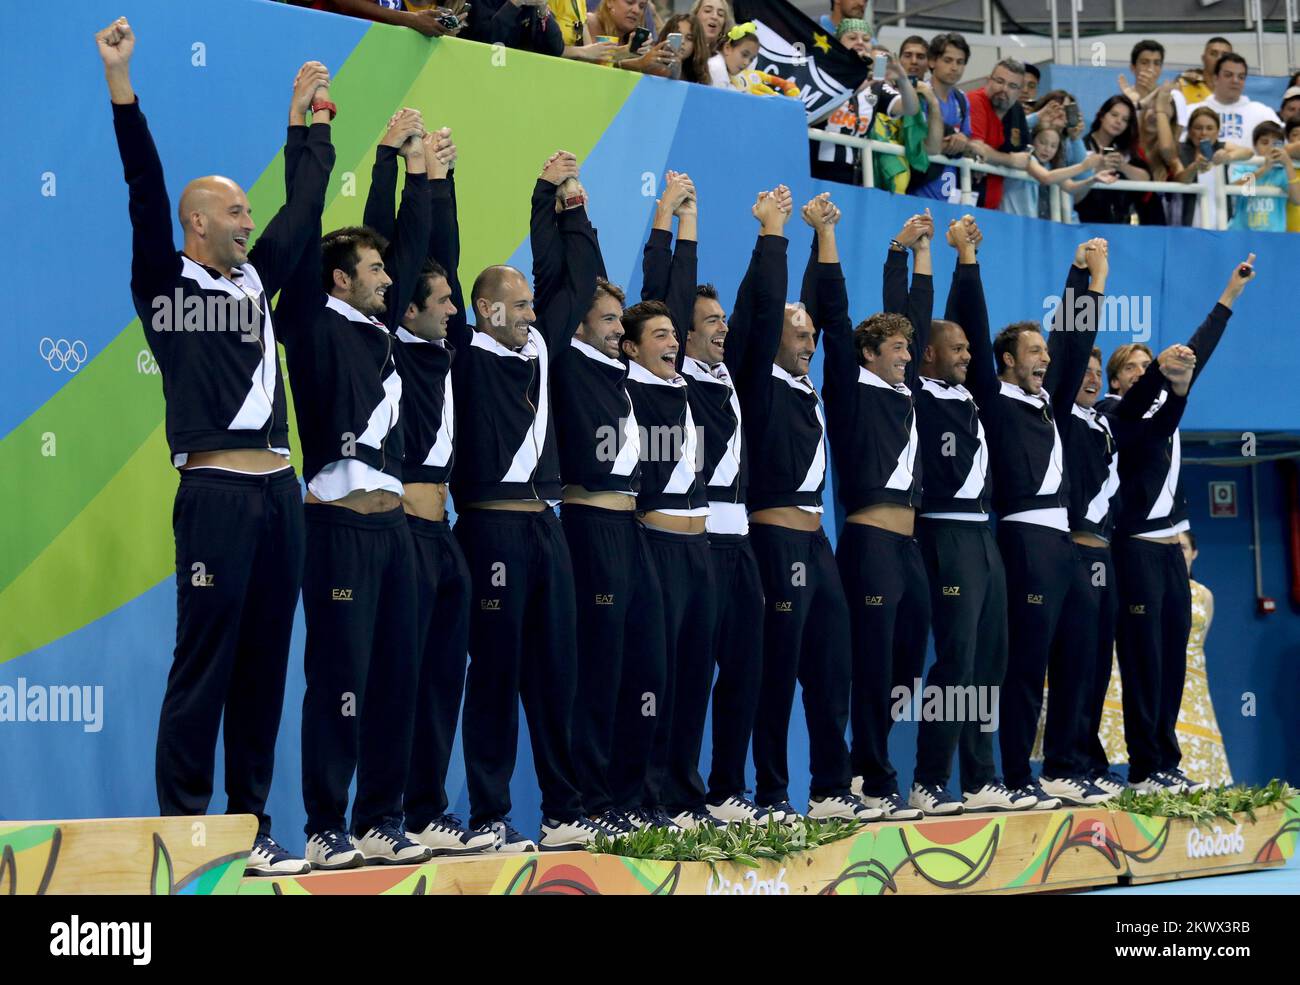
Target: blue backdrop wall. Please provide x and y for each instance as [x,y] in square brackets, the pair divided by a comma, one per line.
[85,593]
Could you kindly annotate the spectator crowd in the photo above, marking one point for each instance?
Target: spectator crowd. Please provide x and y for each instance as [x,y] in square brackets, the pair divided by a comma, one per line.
[1198,128]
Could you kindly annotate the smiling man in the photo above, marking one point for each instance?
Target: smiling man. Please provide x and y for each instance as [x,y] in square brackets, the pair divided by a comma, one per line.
[238,518]
[871,423]
[359,593]
[968,588]
[1031,495]
[806,620]
[716,352]
[620,640]
[506,484]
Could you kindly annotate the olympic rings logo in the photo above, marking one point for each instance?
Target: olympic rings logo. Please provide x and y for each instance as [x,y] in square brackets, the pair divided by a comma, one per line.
[62,354]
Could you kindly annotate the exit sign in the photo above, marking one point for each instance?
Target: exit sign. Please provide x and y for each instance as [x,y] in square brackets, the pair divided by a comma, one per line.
[1223,499]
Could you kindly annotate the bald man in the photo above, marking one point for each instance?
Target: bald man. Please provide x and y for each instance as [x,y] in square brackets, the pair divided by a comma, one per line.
[523,633]
[238,518]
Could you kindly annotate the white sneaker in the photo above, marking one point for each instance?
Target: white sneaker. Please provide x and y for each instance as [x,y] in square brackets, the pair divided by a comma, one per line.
[845,808]
[330,850]
[933,800]
[1073,792]
[690,820]
[268,859]
[567,836]
[891,807]
[994,797]
[1112,783]
[782,813]
[1185,783]
[387,844]
[737,810]
[506,840]
[445,835]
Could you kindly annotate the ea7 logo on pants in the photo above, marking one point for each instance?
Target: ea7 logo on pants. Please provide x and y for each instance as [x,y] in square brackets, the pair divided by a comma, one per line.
[873,600]
[951,591]
[341,594]
[604,599]
[784,606]
[490,605]
[1137,610]
[1033,599]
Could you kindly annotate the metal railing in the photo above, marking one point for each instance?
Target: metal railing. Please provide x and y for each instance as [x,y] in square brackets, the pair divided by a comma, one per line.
[1062,208]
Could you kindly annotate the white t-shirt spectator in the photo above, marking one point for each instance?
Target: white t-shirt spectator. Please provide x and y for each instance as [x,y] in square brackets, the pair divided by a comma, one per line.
[1237,121]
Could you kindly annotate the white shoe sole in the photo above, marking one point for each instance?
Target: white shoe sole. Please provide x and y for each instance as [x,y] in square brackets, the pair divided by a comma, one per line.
[353,862]
[297,870]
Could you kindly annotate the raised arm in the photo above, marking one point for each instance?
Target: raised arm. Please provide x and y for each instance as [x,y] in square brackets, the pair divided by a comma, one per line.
[917,302]
[410,246]
[1074,325]
[380,212]
[154,262]
[278,249]
[657,257]
[544,231]
[767,298]
[569,296]
[444,227]
[826,299]
[967,308]
[1206,338]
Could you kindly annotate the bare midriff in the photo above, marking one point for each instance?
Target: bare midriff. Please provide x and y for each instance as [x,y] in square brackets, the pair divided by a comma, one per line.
[427,500]
[582,496]
[790,517]
[887,516]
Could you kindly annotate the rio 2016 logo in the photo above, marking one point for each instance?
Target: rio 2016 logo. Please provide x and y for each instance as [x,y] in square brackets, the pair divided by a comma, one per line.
[749,885]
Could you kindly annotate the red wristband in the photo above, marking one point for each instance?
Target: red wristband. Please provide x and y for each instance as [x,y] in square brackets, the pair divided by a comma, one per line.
[320,104]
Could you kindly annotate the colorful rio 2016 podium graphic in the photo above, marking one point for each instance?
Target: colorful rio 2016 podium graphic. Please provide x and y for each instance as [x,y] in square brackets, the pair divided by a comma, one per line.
[1022,853]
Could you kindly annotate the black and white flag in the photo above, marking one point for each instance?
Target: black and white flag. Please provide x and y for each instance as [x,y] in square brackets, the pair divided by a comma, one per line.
[797,48]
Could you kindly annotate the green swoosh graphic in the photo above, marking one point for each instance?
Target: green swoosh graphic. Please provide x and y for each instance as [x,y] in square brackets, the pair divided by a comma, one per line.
[96,531]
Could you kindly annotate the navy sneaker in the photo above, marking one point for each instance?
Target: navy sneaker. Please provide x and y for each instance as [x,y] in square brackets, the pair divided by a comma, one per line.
[575,835]
[994,797]
[506,839]
[268,858]
[1042,802]
[387,844]
[1073,791]
[841,807]
[1156,783]
[1111,782]
[446,835]
[690,819]
[782,813]
[646,817]
[737,810]
[891,807]
[1184,781]
[616,821]
[933,800]
[331,850]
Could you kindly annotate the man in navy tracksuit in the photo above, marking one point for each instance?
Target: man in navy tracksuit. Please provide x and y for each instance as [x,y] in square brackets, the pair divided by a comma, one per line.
[711,355]
[806,619]
[238,517]
[522,639]
[620,639]
[359,591]
[1154,595]
[1031,495]
[424,357]
[870,374]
